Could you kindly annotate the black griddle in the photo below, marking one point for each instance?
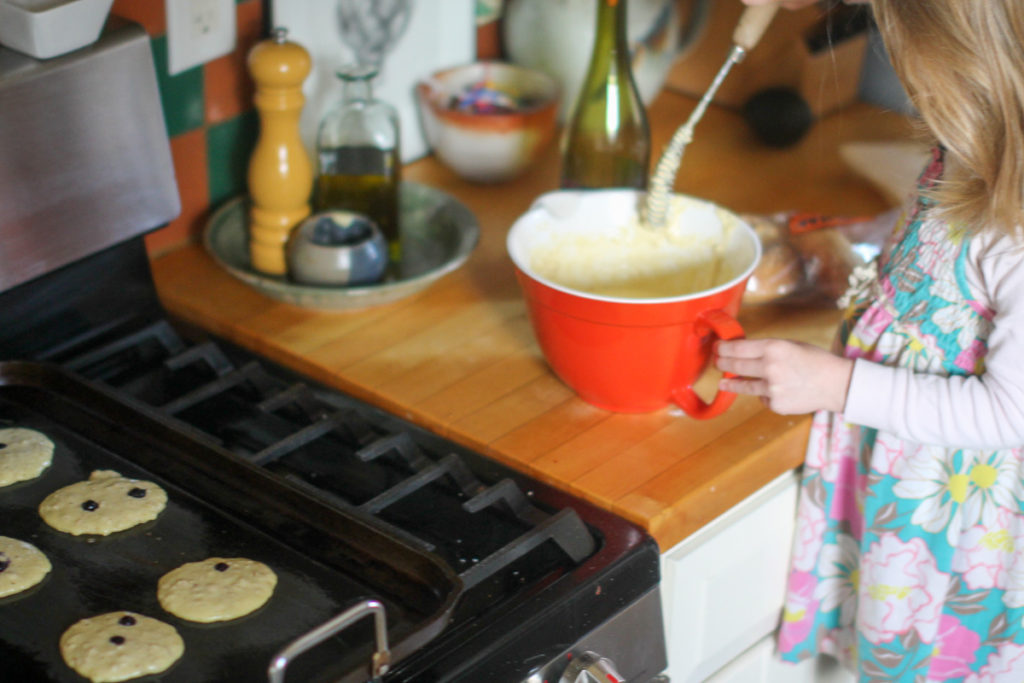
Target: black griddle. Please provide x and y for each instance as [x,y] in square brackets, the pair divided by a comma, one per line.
[219,505]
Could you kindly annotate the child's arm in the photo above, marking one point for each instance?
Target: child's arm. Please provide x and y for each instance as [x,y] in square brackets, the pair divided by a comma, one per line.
[974,411]
[979,411]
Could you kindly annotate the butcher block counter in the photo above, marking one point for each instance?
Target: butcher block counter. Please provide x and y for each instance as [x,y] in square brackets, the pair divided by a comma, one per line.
[460,357]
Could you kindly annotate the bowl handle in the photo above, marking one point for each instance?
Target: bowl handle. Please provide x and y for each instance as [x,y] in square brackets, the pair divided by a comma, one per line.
[723,326]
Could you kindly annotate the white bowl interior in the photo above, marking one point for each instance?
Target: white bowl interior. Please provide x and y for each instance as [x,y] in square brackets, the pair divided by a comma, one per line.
[594,234]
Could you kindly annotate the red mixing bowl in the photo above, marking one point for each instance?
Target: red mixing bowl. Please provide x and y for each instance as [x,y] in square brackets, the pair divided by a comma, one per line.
[627,354]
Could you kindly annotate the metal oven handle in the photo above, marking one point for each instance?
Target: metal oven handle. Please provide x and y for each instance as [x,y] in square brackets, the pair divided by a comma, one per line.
[381,656]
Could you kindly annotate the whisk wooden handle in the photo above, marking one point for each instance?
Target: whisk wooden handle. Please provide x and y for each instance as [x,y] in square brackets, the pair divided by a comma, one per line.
[752,24]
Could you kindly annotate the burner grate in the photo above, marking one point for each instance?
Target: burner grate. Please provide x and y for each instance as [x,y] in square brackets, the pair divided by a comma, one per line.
[305,435]
[344,455]
[159,332]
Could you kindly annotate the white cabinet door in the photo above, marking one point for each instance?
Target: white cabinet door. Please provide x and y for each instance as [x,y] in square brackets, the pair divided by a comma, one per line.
[760,665]
[723,587]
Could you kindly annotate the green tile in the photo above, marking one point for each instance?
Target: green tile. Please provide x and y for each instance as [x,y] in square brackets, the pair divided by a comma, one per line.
[180,94]
[229,145]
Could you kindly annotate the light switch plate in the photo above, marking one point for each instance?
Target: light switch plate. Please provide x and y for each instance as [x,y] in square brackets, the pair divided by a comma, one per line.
[198,31]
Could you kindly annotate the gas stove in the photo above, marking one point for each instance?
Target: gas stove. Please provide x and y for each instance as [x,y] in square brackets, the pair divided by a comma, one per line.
[403,555]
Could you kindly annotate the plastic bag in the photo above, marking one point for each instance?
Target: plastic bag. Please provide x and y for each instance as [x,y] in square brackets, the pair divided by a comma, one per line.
[807,258]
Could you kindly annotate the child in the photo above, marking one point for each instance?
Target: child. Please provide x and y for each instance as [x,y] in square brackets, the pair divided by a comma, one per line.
[909,555]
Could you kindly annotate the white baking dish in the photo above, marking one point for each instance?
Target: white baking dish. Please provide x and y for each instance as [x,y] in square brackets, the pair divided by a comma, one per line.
[48,28]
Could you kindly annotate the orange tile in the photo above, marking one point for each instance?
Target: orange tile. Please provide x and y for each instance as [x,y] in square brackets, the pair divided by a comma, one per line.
[488,41]
[188,152]
[167,238]
[229,88]
[150,13]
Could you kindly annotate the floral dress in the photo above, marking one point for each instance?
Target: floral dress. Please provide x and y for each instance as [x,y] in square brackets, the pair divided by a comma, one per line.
[906,564]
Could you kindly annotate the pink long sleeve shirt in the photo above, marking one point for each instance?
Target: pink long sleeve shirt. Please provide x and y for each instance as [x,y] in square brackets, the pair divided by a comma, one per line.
[975,411]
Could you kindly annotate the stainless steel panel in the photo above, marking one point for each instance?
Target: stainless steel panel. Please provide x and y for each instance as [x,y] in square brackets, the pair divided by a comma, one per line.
[85,160]
[633,640]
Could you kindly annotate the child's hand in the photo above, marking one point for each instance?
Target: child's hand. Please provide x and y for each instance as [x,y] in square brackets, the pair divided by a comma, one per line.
[790,377]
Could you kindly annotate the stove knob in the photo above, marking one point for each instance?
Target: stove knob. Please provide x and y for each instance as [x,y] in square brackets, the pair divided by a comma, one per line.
[589,667]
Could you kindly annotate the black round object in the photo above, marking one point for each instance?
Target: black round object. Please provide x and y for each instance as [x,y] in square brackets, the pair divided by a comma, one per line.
[780,117]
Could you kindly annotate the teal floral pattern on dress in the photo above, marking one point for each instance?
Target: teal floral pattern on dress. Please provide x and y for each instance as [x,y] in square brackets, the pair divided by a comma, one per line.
[908,562]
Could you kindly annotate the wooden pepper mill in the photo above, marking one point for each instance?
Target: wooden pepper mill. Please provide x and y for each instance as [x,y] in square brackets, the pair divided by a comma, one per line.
[280,172]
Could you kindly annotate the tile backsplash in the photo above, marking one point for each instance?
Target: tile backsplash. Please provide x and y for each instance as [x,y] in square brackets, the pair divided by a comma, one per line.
[209,116]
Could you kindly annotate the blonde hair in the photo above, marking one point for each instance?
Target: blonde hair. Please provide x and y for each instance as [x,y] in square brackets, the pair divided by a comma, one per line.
[962,63]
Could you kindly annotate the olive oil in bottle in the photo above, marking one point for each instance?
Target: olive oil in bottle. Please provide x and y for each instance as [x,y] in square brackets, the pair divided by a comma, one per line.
[607,141]
[358,157]
[363,179]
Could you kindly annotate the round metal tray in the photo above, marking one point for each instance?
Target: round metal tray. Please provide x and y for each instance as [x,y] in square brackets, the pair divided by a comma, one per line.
[438,235]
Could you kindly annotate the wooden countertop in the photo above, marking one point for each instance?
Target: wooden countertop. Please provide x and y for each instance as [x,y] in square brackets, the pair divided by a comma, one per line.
[460,358]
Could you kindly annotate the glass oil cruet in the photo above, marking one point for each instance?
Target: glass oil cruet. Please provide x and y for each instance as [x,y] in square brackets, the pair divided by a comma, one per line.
[358,143]
[358,155]
[607,141]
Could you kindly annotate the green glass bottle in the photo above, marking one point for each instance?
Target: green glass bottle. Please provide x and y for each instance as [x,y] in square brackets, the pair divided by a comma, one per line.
[607,142]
